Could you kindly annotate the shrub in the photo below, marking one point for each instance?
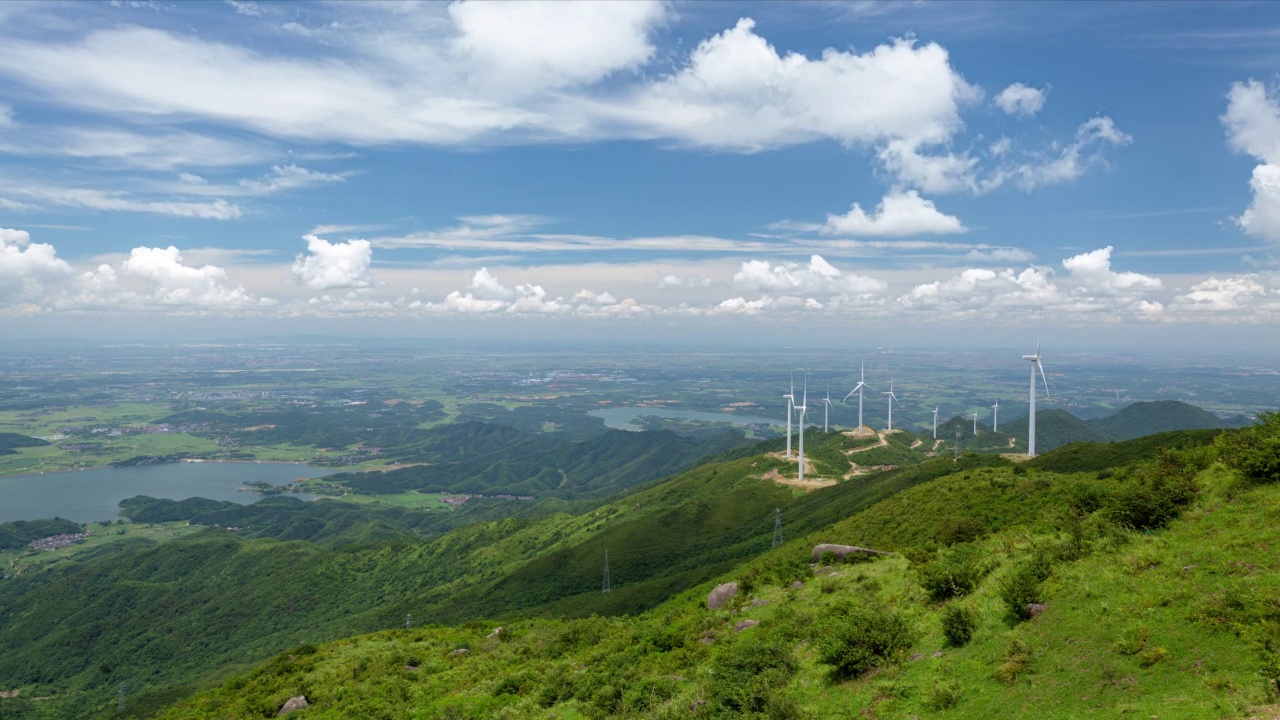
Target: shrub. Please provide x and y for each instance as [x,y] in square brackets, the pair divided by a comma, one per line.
[1132,642]
[1156,491]
[1254,452]
[942,695]
[953,573]
[827,558]
[856,638]
[962,530]
[958,623]
[747,673]
[1153,655]
[1021,586]
[1017,657]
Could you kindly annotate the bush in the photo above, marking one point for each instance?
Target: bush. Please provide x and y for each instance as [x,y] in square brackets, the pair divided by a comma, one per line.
[1155,492]
[942,695]
[953,573]
[962,530]
[747,673]
[1254,452]
[958,623]
[827,558]
[856,638]
[1017,657]
[1021,586]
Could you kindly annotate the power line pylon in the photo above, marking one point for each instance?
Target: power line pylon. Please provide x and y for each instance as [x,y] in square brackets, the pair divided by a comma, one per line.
[605,589]
[777,527]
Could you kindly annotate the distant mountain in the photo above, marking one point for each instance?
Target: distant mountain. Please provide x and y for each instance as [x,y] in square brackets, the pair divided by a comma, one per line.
[1055,428]
[1148,418]
[10,441]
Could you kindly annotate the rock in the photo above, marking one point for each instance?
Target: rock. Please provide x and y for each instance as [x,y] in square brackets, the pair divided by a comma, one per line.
[937,653]
[707,640]
[411,668]
[294,703]
[797,584]
[721,596]
[917,656]
[823,570]
[1034,609]
[697,704]
[745,624]
[758,602]
[842,550]
[494,635]
[460,652]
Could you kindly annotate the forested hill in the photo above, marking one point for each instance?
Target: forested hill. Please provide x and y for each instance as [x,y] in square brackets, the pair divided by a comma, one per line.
[10,441]
[1148,418]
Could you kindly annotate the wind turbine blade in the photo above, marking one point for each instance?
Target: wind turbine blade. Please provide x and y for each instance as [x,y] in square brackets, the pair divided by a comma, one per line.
[1042,377]
[851,392]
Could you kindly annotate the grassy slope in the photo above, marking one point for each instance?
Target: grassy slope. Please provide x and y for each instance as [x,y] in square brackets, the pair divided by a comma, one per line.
[1177,584]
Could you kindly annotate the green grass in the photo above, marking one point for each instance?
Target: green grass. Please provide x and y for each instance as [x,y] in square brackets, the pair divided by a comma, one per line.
[410,500]
[16,562]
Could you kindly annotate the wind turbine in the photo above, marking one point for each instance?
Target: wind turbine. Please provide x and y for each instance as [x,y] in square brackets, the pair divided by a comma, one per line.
[1031,423]
[791,402]
[858,389]
[995,416]
[935,422]
[826,410]
[892,399]
[975,423]
[803,407]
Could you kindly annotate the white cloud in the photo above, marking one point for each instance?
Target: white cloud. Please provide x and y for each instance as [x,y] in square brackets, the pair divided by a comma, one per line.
[27,268]
[1020,100]
[737,92]
[245,7]
[6,115]
[286,177]
[486,295]
[1252,121]
[173,283]
[1222,295]
[819,276]
[1075,159]
[1093,270]
[155,149]
[672,281]
[904,213]
[983,291]
[123,202]
[526,47]
[329,266]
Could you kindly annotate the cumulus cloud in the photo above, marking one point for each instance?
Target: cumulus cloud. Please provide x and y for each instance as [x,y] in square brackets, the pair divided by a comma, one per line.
[329,266]
[981,289]
[1252,122]
[1093,270]
[27,269]
[904,213]
[1020,100]
[173,283]
[1223,295]
[485,294]
[818,276]
[683,281]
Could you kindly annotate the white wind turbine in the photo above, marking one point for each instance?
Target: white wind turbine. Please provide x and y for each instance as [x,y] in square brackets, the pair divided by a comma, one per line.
[892,399]
[791,403]
[975,423]
[858,389]
[1031,422]
[826,410]
[803,408]
[935,422]
[995,416]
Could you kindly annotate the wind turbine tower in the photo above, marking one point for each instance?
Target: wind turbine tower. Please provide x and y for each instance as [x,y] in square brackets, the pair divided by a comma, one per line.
[826,410]
[892,399]
[858,389]
[935,422]
[1031,421]
[975,423]
[803,407]
[995,416]
[791,403]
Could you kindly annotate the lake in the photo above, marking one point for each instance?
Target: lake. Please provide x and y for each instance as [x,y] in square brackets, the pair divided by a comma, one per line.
[621,418]
[88,495]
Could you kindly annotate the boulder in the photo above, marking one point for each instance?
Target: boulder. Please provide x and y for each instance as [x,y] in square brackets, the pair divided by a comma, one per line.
[721,596]
[494,635]
[294,703]
[797,584]
[1034,609]
[745,624]
[842,550]
[460,652]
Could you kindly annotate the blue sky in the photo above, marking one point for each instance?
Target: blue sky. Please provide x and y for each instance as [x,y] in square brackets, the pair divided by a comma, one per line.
[643,168]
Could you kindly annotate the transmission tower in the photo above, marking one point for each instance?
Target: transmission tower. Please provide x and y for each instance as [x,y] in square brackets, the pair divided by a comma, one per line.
[120,700]
[408,620]
[959,434]
[605,589]
[777,527]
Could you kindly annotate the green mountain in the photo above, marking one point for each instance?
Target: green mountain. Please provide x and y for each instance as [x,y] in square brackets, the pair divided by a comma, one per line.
[1148,418]
[18,533]
[9,442]
[1146,592]
[1055,428]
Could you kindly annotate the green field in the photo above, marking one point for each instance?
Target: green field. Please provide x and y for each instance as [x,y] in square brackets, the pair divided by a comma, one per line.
[408,500]
[15,562]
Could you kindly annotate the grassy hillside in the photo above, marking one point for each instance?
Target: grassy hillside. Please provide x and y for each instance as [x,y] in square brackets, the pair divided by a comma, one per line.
[1148,418]
[1094,456]
[1138,614]
[1055,428]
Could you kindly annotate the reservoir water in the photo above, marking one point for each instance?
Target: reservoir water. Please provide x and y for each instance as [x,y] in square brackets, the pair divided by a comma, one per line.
[621,418]
[88,495]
